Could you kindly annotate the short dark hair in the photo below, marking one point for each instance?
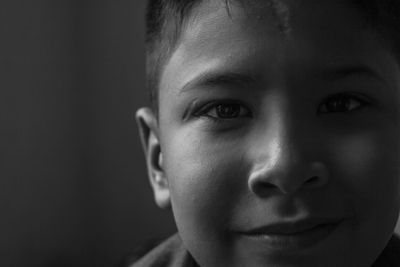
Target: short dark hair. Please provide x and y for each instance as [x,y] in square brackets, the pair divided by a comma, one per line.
[165,20]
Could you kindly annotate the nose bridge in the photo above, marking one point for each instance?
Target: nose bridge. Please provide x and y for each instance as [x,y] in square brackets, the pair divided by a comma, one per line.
[282,141]
[284,159]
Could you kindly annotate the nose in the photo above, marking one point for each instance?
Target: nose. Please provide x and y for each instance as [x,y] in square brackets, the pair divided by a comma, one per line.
[287,161]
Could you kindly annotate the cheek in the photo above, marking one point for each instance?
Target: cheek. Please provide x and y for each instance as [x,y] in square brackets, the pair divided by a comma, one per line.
[368,167]
[205,182]
[360,157]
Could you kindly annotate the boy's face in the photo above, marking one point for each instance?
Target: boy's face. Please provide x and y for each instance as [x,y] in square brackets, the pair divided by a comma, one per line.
[278,146]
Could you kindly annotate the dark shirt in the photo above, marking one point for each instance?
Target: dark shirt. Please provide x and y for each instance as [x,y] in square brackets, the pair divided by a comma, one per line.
[171,253]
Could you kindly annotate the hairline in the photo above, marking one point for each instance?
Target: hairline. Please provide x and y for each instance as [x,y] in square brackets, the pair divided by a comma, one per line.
[163,46]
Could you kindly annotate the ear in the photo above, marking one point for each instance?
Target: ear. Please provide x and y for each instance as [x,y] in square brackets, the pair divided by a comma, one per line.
[148,129]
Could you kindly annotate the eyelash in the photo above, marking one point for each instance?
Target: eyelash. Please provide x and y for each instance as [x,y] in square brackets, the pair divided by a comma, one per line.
[214,110]
[350,102]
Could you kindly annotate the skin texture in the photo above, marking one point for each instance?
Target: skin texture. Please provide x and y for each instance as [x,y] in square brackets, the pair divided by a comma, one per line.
[259,126]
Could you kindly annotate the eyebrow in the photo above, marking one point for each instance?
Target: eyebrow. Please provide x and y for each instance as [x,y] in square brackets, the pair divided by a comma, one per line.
[342,72]
[215,79]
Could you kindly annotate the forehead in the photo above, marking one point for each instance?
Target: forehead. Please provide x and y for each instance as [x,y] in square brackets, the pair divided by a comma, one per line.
[308,34]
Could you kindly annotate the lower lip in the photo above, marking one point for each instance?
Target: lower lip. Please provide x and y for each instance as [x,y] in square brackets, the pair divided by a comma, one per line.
[294,241]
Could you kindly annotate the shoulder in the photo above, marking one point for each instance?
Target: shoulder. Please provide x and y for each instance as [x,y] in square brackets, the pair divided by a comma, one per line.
[169,253]
[391,254]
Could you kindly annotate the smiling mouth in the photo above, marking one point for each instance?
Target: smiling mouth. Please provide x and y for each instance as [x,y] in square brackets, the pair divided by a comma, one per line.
[291,236]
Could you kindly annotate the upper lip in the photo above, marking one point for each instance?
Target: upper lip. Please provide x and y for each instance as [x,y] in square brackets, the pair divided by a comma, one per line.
[291,227]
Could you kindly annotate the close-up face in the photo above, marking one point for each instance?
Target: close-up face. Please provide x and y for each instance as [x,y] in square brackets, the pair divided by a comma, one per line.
[278,129]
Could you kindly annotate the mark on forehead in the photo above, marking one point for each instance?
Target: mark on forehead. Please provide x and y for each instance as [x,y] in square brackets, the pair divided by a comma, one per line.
[259,9]
[276,11]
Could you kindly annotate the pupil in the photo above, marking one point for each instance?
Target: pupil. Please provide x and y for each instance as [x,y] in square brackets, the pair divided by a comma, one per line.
[339,104]
[228,111]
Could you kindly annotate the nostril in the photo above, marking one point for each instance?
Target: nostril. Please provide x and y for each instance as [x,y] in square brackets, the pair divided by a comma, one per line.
[262,188]
[267,186]
[314,180]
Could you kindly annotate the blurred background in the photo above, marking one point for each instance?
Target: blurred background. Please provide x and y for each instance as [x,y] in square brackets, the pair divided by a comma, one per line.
[73,185]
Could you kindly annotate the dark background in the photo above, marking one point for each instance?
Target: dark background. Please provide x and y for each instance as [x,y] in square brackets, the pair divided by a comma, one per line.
[73,187]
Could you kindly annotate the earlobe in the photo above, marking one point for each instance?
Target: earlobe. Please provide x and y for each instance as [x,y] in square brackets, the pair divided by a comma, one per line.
[148,129]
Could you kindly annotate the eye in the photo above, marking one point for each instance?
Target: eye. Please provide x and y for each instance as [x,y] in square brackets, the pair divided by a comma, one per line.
[225,111]
[344,102]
